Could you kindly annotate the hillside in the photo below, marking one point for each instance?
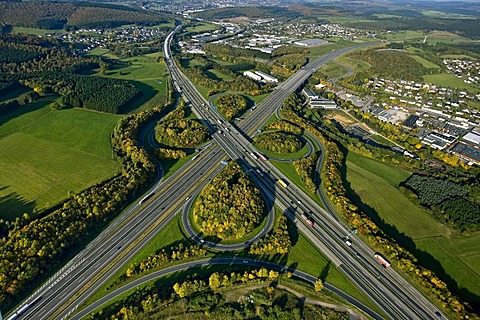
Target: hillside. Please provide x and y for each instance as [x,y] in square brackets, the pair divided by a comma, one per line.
[51,15]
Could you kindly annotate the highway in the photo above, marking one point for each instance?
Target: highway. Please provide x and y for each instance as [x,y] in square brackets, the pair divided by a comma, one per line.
[395,296]
[66,290]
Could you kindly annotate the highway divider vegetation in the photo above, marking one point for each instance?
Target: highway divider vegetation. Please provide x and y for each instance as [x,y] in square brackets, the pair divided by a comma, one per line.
[176,133]
[231,105]
[336,192]
[284,125]
[165,256]
[209,296]
[230,206]
[277,241]
[305,169]
[279,142]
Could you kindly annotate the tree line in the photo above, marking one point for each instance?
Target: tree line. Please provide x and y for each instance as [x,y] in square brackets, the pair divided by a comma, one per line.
[230,206]
[164,256]
[305,169]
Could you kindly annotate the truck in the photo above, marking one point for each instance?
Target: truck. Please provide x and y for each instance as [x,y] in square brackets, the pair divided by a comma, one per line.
[282,183]
[145,198]
[261,156]
[385,263]
[307,219]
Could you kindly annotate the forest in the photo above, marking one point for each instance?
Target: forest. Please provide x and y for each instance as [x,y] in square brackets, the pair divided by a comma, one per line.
[448,197]
[230,206]
[391,64]
[58,15]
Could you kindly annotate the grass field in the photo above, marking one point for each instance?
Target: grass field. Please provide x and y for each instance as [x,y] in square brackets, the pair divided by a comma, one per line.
[201,27]
[315,52]
[450,81]
[352,64]
[44,154]
[427,64]
[332,70]
[35,31]
[219,75]
[447,252]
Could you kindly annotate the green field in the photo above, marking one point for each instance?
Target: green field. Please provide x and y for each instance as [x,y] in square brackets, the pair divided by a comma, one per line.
[315,52]
[333,70]
[35,31]
[447,251]
[450,81]
[45,154]
[352,64]
[201,27]
[427,64]
[218,75]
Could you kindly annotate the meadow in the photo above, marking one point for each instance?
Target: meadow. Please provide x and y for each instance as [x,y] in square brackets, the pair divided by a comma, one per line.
[447,252]
[450,81]
[45,154]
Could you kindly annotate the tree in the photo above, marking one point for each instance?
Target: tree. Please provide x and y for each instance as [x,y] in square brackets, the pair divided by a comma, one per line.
[318,285]
[214,281]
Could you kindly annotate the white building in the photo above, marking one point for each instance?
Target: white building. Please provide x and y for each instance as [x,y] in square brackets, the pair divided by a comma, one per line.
[252,75]
[266,77]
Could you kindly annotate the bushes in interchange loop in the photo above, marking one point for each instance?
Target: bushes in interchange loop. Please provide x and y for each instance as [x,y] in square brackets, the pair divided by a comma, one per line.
[230,206]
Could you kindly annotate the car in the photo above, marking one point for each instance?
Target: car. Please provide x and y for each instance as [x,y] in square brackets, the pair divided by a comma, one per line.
[202,241]
[119,247]
[187,198]
[438,314]
[348,242]
[245,261]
